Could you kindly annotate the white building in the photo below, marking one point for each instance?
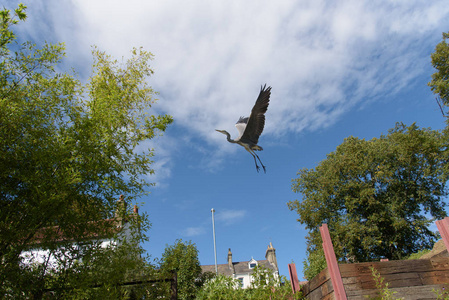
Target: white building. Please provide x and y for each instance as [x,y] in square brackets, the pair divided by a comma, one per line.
[121,229]
[242,270]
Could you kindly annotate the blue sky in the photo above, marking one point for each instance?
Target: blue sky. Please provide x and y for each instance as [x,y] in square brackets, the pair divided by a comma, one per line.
[337,68]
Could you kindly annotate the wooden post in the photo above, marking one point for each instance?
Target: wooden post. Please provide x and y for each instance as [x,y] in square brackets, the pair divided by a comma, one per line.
[443,228]
[293,277]
[332,264]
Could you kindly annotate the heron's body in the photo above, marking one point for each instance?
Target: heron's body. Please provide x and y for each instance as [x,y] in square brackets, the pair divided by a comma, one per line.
[250,128]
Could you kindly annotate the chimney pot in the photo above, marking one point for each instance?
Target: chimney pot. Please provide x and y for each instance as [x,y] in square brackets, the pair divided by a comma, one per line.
[229,258]
[270,255]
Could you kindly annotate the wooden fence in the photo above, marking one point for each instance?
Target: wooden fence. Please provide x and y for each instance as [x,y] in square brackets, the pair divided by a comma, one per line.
[173,279]
[410,279]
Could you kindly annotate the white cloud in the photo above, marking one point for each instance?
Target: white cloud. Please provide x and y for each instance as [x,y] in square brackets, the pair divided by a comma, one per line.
[193,231]
[321,57]
[225,217]
[164,149]
[230,216]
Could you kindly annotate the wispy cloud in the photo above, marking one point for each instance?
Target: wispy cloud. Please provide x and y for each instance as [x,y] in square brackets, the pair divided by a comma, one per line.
[226,217]
[194,231]
[229,216]
[164,150]
[322,57]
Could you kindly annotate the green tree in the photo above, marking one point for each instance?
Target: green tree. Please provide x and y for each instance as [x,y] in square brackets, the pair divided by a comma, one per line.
[315,262]
[378,197]
[98,272]
[182,257]
[221,287]
[264,285]
[440,79]
[67,149]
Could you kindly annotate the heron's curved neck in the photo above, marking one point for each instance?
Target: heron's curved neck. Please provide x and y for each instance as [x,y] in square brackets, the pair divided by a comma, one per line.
[228,137]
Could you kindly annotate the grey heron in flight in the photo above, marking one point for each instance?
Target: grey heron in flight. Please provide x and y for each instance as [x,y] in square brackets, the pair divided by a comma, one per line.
[250,128]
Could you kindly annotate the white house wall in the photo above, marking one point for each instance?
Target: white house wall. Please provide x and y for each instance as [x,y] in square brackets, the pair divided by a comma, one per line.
[41,256]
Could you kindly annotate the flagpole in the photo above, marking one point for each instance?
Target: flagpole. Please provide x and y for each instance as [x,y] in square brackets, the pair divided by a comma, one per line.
[215,244]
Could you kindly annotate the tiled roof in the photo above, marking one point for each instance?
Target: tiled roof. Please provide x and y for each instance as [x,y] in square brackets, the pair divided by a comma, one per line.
[105,228]
[241,267]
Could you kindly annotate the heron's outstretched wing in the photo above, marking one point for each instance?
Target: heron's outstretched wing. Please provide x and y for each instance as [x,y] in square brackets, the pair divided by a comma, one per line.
[241,126]
[256,121]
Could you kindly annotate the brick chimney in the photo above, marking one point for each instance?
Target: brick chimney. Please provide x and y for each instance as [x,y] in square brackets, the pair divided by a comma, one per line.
[270,255]
[230,259]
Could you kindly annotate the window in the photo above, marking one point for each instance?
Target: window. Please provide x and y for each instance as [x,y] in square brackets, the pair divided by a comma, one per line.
[252,263]
[240,279]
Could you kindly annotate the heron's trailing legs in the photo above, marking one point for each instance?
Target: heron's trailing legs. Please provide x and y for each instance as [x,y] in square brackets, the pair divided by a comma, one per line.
[254,154]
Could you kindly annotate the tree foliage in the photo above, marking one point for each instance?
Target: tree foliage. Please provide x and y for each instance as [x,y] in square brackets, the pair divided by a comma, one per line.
[264,285]
[440,79]
[67,149]
[182,257]
[378,197]
[315,262]
[92,271]
[221,287]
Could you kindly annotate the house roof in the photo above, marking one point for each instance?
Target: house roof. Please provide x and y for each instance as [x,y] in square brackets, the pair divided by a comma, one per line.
[103,228]
[241,267]
[100,229]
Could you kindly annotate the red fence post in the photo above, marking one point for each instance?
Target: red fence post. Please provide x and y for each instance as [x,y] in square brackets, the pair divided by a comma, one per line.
[293,277]
[332,264]
[443,228]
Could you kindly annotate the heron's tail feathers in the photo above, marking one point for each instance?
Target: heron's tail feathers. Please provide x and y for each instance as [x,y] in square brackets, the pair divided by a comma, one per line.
[256,148]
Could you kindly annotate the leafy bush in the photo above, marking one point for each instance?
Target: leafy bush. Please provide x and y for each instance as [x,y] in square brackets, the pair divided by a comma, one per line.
[418,254]
[264,285]
[385,292]
[221,287]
